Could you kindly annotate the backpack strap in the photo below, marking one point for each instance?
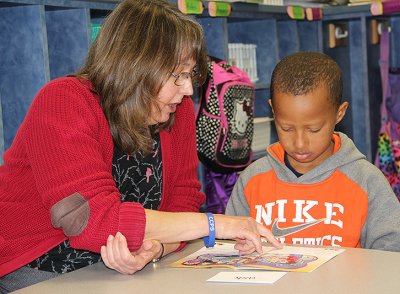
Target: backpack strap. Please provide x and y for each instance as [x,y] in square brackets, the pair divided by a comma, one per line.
[384,68]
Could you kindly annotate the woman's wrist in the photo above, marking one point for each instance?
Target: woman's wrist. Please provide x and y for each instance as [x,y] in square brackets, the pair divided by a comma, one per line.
[209,241]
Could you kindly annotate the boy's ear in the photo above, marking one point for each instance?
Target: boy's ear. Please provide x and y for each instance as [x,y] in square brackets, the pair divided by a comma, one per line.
[270,104]
[341,111]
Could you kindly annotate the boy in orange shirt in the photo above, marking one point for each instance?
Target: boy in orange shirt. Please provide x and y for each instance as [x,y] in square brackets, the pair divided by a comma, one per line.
[314,187]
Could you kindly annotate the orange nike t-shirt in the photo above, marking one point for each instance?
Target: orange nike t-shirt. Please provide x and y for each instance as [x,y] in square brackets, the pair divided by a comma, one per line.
[331,212]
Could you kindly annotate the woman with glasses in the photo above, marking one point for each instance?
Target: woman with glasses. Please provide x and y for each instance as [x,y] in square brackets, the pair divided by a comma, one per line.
[105,163]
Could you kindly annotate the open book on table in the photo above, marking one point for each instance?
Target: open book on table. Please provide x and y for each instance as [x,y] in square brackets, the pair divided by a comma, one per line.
[289,258]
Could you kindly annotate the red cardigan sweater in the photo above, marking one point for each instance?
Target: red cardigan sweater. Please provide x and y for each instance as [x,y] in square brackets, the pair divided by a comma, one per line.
[64,146]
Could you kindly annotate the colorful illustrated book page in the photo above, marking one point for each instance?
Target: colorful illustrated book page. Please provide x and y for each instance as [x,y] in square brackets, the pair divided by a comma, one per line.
[288,259]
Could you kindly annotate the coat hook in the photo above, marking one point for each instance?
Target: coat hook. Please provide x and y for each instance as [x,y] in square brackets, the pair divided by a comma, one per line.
[338,34]
[383,26]
[377,27]
[341,33]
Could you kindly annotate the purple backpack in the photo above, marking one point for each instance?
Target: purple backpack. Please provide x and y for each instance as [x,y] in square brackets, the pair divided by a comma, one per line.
[218,188]
[224,120]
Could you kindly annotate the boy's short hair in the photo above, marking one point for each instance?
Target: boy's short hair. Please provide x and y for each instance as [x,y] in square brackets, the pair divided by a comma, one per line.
[302,72]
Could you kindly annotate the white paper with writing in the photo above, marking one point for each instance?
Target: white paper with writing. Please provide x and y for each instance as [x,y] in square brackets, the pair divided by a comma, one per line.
[257,277]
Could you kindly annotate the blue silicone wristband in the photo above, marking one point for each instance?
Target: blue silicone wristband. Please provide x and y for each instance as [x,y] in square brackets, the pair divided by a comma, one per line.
[209,241]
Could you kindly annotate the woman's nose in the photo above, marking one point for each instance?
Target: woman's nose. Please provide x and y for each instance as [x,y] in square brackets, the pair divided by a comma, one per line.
[187,88]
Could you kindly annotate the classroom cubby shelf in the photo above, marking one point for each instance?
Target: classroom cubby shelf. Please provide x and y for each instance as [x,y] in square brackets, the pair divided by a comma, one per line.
[44,39]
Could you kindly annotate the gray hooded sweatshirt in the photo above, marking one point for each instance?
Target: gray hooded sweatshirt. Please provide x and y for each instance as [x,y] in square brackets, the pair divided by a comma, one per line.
[345,201]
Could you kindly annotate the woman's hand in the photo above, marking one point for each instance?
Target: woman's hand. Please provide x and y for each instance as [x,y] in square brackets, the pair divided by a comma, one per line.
[169,227]
[117,256]
[246,231]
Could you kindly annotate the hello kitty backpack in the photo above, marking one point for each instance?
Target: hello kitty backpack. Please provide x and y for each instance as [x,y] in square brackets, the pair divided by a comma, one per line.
[224,120]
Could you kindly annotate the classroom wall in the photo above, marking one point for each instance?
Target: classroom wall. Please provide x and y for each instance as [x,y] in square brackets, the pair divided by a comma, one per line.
[41,40]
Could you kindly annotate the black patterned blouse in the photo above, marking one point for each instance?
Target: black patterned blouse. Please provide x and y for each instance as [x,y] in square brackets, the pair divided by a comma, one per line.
[138,179]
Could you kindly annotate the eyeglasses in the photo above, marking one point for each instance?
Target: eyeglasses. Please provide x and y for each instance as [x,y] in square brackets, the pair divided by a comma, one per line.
[183,77]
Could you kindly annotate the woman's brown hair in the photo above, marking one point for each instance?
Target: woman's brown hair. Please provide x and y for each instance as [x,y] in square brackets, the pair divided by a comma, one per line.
[139,45]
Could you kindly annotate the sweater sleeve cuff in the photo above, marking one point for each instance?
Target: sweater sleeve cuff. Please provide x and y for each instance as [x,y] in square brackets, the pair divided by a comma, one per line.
[132,224]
